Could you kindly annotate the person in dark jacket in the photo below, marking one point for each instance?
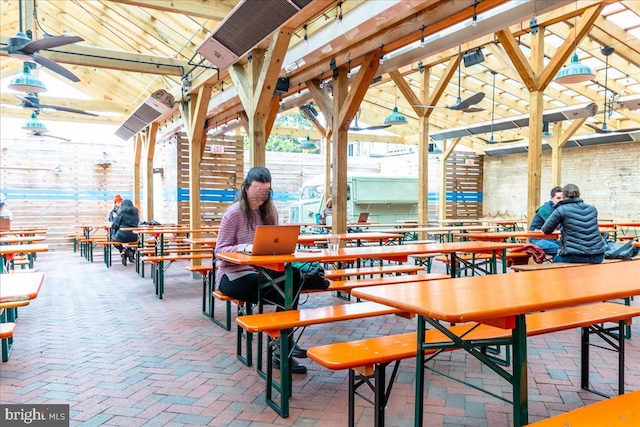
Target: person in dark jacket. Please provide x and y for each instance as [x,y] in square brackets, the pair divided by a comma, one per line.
[549,246]
[581,241]
[127,217]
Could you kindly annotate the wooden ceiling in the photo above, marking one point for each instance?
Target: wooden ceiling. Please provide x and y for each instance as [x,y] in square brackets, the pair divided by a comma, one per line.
[134,47]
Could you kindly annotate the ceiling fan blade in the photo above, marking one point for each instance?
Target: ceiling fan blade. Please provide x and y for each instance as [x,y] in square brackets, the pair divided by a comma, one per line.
[50,42]
[598,129]
[488,141]
[47,63]
[466,103]
[376,127]
[506,141]
[68,110]
[472,110]
[45,135]
[26,103]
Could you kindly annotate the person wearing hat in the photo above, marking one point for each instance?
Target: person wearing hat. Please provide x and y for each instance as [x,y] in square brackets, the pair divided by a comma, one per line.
[117,201]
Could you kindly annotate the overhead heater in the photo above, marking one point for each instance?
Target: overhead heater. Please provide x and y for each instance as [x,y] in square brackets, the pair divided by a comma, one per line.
[245,27]
[158,103]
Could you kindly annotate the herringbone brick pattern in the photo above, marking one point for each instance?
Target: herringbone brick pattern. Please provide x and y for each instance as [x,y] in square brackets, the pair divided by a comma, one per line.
[99,340]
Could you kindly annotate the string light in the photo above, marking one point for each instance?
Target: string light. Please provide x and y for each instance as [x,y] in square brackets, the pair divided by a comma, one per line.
[321,81]
[381,55]
[340,13]
[422,36]
[298,94]
[305,38]
[349,70]
[474,20]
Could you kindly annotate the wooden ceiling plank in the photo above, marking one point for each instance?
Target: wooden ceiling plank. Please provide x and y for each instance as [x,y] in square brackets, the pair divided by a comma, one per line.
[148,30]
[215,10]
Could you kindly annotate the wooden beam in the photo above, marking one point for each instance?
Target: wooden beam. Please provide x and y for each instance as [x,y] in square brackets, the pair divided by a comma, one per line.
[566,50]
[510,45]
[263,92]
[407,92]
[359,88]
[95,57]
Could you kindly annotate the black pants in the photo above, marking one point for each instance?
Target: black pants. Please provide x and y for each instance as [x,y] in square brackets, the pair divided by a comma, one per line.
[246,287]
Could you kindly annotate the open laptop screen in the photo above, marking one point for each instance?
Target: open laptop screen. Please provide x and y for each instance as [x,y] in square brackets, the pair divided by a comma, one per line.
[275,239]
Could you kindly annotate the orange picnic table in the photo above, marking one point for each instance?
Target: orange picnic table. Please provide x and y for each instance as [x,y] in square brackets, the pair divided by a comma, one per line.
[501,300]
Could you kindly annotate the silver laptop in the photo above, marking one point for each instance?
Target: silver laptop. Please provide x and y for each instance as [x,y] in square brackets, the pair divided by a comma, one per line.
[275,239]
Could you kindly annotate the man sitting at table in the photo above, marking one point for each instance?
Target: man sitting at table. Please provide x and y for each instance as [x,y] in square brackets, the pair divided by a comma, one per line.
[580,241]
[549,246]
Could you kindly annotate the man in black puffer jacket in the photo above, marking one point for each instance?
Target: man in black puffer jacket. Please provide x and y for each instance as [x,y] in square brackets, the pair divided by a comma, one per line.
[581,241]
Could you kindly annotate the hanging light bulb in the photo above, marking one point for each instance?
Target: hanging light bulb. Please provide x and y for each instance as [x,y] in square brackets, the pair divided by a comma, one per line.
[474,19]
[381,55]
[422,43]
[27,82]
[349,70]
[340,13]
[305,38]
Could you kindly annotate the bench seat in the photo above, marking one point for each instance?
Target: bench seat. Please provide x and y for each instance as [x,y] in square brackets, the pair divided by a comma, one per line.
[157,271]
[349,285]
[619,411]
[546,266]
[7,329]
[365,358]
[385,269]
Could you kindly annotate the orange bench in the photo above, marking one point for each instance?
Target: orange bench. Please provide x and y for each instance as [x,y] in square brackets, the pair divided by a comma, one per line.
[157,271]
[619,411]
[8,328]
[273,323]
[368,358]
[382,269]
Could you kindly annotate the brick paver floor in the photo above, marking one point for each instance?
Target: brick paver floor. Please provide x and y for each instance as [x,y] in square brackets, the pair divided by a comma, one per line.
[99,340]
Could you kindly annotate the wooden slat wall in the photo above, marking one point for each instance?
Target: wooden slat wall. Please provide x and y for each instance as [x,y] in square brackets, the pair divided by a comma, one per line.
[223,172]
[80,193]
[464,175]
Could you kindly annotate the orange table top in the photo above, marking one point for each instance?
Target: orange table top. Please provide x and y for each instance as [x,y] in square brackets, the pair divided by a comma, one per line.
[22,249]
[16,286]
[393,252]
[465,299]
[369,236]
[22,239]
[503,235]
[206,241]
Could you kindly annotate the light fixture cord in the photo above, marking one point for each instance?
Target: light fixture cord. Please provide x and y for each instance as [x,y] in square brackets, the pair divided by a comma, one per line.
[606,69]
[493,103]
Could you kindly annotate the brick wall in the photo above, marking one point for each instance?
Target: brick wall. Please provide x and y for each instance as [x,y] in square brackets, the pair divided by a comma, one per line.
[608,177]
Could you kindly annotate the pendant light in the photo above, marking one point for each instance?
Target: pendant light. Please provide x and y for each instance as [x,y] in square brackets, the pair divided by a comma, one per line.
[307,144]
[395,118]
[575,72]
[33,124]
[27,82]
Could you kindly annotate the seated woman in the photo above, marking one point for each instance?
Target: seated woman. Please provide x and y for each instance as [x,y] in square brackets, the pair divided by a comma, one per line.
[580,241]
[237,230]
[127,217]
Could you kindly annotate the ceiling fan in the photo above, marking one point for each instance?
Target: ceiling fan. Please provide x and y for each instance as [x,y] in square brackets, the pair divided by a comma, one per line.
[20,46]
[606,51]
[357,128]
[464,105]
[491,140]
[32,102]
[44,134]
